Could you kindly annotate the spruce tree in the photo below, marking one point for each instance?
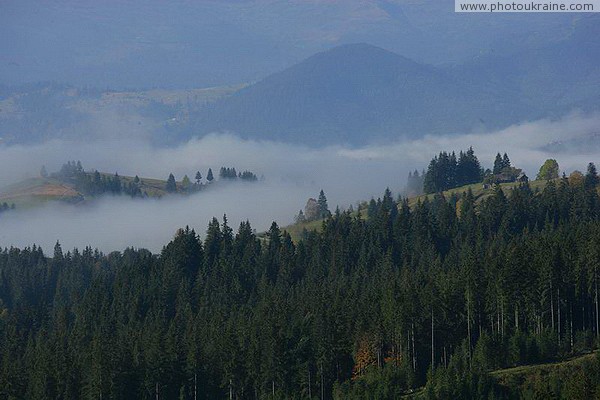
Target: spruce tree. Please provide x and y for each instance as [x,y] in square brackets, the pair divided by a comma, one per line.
[505,161]
[171,185]
[591,177]
[323,207]
[498,164]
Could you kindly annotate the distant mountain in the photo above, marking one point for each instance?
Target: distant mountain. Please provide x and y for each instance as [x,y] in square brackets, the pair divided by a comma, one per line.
[354,93]
[560,71]
[357,94]
[39,112]
[182,44]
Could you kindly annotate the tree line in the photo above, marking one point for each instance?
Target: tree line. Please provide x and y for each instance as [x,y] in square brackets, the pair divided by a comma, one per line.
[95,183]
[447,171]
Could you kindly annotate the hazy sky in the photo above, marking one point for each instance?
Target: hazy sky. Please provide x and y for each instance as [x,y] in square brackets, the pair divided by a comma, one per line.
[156,43]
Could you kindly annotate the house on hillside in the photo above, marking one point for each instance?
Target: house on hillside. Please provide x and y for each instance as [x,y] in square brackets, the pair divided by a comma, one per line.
[507,175]
[522,178]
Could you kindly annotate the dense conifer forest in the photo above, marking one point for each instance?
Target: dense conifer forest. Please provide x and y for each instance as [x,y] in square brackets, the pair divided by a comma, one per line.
[374,305]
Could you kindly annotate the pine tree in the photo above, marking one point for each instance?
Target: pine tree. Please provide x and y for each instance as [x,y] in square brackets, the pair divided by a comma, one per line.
[58,253]
[43,172]
[468,168]
[300,218]
[505,161]
[209,176]
[591,177]
[198,177]
[323,207]
[116,184]
[498,164]
[171,186]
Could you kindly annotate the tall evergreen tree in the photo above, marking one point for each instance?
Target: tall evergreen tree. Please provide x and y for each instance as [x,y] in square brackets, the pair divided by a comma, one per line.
[591,177]
[506,161]
[498,164]
[171,185]
[323,207]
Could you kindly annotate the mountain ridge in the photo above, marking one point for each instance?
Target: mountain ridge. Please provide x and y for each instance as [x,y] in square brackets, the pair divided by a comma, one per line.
[358,94]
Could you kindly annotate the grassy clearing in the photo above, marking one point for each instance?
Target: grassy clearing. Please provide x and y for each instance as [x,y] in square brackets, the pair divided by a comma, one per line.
[295,230]
[34,192]
[478,190]
[504,376]
[517,376]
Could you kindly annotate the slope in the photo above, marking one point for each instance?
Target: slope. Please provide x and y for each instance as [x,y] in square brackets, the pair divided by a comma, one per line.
[357,94]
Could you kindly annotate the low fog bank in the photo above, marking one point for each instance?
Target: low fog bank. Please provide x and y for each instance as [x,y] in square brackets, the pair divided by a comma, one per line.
[292,174]
[524,144]
[113,223]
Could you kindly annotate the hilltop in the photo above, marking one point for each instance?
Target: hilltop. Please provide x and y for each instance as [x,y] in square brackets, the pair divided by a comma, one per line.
[72,184]
[356,94]
[37,191]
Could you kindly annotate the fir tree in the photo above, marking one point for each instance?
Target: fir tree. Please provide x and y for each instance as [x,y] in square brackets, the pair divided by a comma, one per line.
[323,207]
[498,164]
[506,161]
[591,177]
[171,185]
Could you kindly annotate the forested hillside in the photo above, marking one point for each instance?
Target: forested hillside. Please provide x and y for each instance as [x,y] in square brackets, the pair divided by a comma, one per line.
[437,294]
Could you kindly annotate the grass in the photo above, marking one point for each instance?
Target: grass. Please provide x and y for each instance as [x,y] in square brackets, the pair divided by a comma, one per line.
[33,192]
[509,377]
[479,192]
[504,376]
[296,230]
